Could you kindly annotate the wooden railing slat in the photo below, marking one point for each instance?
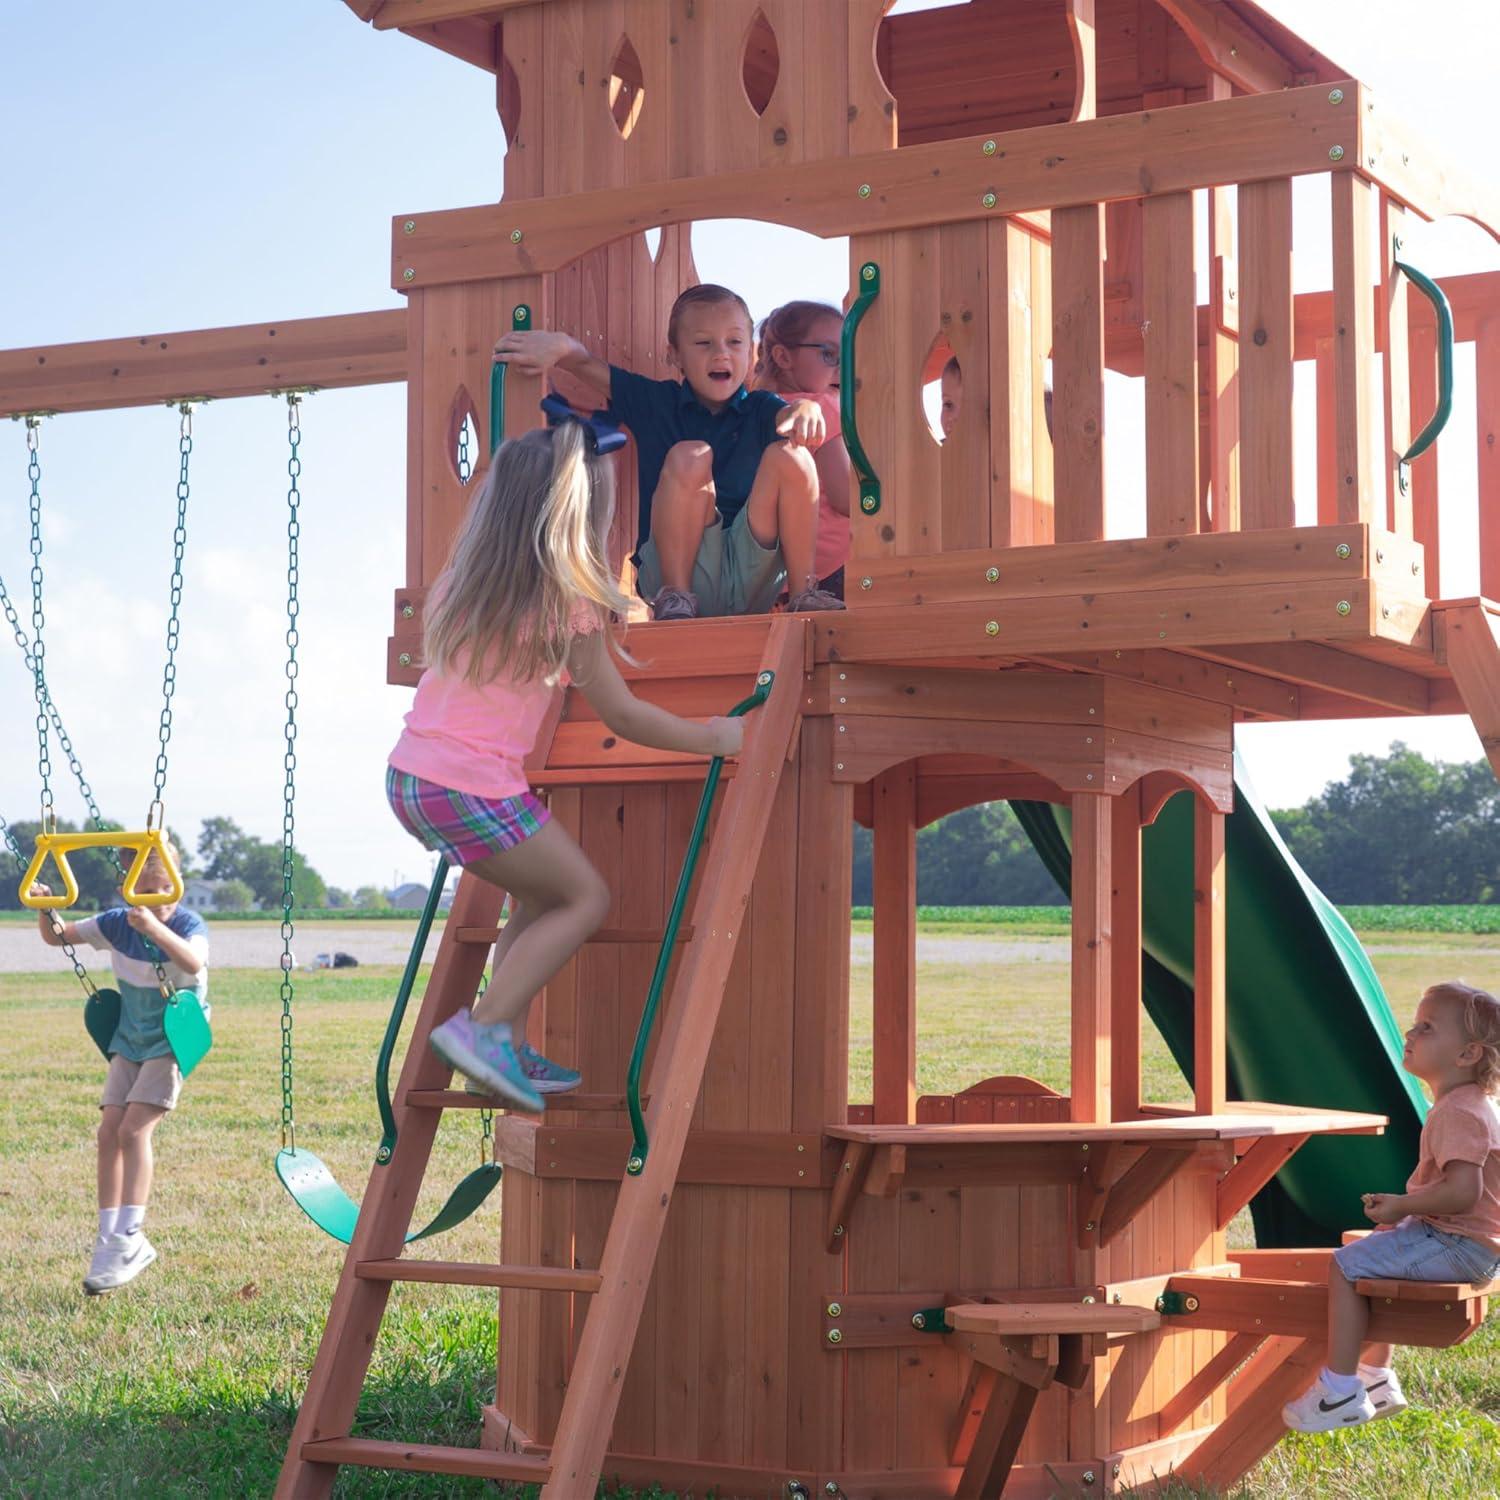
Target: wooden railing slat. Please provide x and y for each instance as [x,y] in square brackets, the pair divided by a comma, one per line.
[1265,354]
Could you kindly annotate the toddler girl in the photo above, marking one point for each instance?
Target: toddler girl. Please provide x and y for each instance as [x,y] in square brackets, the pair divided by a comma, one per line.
[526,597]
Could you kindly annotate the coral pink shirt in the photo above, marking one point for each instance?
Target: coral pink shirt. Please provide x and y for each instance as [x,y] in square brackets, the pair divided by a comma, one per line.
[476,739]
[833,529]
[1463,1125]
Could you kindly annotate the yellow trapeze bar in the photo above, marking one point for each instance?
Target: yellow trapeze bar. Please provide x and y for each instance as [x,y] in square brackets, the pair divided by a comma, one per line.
[60,845]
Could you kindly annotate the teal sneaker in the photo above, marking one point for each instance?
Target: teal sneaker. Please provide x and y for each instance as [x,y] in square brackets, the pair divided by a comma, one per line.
[486,1055]
[547,1077]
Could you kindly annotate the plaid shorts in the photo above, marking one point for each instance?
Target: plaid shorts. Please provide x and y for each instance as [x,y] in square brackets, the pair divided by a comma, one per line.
[459,825]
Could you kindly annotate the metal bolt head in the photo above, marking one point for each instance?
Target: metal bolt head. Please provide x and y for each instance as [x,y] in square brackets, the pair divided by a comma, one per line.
[868,504]
[1090,1300]
[867,583]
[834,1309]
[1191,1303]
[992,627]
[867,273]
[764,680]
[1088,1476]
[1385,611]
[409,227]
[1335,153]
[405,658]
[408,274]
[1379,555]
[1336,96]
[864,191]
[835,1336]
[407,611]
[1342,550]
[988,148]
[1089,1224]
[1342,607]
[838,1229]
[992,575]
[989,200]
[830,1488]
[515,236]
[917,1321]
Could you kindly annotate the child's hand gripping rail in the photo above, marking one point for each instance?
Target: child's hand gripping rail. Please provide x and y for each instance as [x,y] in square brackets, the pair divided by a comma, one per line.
[60,845]
[640,1144]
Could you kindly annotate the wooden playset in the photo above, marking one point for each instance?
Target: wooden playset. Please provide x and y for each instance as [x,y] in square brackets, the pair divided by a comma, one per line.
[777,1289]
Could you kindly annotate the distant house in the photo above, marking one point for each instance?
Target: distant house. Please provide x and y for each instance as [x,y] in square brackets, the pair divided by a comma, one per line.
[413,897]
[201,895]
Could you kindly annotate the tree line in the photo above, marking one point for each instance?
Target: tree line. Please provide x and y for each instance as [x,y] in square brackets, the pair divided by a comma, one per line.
[1398,830]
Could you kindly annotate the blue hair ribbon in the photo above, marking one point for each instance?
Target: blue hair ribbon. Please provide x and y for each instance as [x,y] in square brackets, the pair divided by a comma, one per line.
[604,433]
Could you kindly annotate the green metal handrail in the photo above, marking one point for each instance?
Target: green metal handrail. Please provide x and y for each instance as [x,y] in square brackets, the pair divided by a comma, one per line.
[1434,294]
[520,322]
[869,481]
[641,1144]
[398,1014]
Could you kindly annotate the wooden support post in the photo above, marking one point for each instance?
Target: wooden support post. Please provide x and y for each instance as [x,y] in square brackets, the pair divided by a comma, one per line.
[1170,329]
[997,1440]
[1265,354]
[1222,460]
[1125,955]
[1353,343]
[1396,377]
[1013,489]
[1426,529]
[1078,372]
[1092,896]
[895,948]
[1487,397]
[1327,457]
[1202,1385]
[1210,1087]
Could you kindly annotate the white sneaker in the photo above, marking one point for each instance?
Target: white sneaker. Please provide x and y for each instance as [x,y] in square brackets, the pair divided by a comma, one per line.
[1322,1409]
[121,1258]
[100,1257]
[1384,1391]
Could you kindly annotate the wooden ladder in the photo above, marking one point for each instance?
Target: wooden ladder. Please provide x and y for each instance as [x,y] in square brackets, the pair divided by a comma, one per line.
[321,1439]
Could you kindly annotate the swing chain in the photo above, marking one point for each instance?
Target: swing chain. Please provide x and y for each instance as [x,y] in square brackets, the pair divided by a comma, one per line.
[174,627]
[465,465]
[38,620]
[52,917]
[288,815]
[486,1116]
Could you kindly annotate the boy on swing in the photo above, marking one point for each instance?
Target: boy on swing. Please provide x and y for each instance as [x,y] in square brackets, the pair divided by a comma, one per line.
[143,1080]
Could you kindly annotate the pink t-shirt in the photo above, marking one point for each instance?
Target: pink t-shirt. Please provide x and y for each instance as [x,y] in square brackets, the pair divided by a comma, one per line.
[833,529]
[1464,1125]
[476,739]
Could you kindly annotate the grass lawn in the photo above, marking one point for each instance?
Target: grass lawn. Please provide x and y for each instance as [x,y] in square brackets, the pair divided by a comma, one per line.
[186,1384]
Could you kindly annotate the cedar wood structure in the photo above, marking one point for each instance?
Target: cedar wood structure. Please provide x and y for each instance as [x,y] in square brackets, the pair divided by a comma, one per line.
[1005,1289]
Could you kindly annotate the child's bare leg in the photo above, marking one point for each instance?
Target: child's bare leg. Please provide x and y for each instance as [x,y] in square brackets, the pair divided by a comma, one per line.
[1380,1356]
[783,507]
[1348,1319]
[137,1158]
[110,1161]
[682,508]
[552,881]
[519,919]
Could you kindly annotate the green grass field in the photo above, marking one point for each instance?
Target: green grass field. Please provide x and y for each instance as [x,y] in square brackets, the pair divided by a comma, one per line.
[186,1383]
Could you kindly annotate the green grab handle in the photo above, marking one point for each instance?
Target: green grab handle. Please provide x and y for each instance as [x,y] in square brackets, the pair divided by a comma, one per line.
[1435,295]
[869,481]
[398,1014]
[641,1144]
[520,322]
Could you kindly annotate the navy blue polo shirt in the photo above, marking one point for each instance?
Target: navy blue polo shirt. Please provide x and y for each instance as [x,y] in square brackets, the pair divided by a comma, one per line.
[660,413]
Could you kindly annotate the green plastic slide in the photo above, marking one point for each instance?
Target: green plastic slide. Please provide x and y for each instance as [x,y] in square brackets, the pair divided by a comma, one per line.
[1308,1020]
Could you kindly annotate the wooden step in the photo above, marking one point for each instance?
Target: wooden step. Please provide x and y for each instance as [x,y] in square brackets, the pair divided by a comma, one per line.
[427,1458]
[480,1273]
[1012,1319]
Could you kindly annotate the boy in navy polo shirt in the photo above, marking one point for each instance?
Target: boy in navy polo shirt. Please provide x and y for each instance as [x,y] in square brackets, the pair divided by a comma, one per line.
[144,1080]
[728,510]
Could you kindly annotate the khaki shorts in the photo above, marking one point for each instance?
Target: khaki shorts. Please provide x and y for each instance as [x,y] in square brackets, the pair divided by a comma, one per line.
[157,1081]
[732,574]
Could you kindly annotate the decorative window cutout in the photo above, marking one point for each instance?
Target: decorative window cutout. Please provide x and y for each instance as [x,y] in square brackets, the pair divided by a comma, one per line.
[463,444]
[942,389]
[762,63]
[653,243]
[627,88]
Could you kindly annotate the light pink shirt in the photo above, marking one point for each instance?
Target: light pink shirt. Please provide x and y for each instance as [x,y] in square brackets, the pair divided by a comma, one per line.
[833,529]
[1463,1125]
[476,739]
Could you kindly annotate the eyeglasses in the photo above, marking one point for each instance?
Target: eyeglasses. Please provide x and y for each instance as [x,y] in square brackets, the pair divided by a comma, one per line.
[828,351]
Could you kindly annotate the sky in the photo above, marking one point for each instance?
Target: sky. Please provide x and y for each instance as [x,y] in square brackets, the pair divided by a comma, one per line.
[177,167]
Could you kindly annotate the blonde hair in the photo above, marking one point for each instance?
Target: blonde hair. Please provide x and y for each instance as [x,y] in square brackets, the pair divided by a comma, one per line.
[529,556]
[1480,1018]
[787,325]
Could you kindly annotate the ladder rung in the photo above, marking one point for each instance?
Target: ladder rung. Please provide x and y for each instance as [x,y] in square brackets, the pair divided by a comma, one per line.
[463,1099]
[480,1273]
[619,935]
[427,1458]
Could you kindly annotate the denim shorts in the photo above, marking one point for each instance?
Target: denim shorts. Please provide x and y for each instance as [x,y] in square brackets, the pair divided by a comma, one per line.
[1416,1251]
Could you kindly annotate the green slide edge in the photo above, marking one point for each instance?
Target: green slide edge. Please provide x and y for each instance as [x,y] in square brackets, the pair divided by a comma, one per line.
[1308,1021]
